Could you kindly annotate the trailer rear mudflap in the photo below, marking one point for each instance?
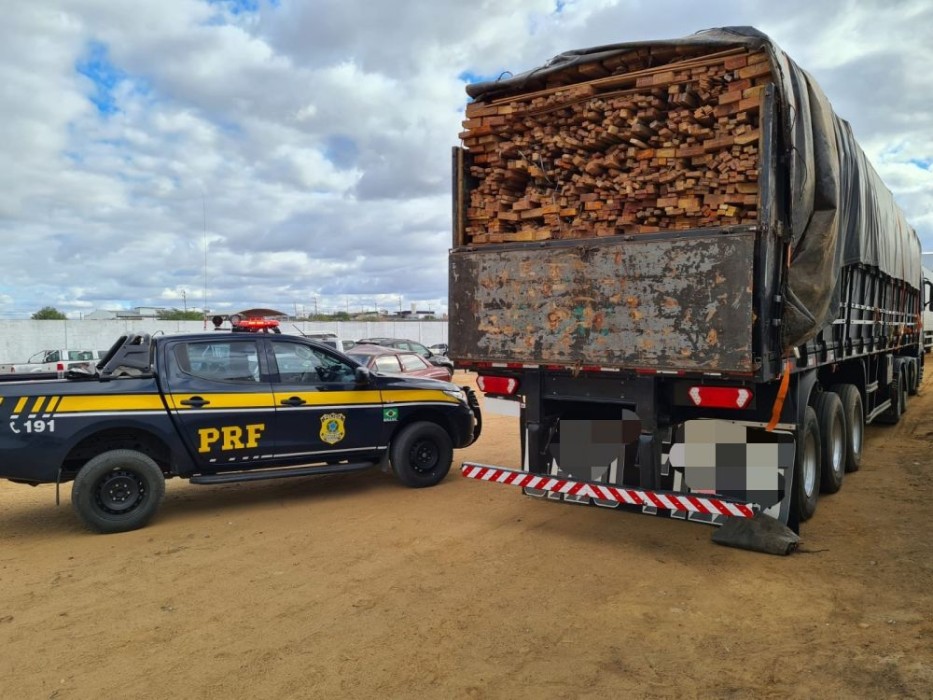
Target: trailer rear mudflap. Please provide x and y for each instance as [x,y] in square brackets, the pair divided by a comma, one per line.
[681,302]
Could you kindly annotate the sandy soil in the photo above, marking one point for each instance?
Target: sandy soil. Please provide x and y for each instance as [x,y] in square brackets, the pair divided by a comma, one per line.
[358,587]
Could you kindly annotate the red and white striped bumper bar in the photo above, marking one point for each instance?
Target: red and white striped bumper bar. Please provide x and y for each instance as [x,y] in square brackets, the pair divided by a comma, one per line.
[664,500]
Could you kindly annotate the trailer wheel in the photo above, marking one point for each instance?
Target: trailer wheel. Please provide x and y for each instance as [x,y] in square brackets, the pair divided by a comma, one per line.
[807,466]
[421,454]
[117,491]
[913,377]
[903,384]
[832,422]
[898,395]
[855,423]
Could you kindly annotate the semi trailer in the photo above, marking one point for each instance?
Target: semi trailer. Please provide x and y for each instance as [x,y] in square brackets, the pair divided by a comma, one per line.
[674,263]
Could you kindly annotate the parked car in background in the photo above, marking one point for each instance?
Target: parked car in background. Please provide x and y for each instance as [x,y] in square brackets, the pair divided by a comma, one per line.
[54,360]
[413,346]
[379,358]
[439,349]
[331,340]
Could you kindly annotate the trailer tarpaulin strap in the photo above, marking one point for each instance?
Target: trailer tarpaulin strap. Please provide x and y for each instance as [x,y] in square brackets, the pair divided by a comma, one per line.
[663,500]
[781,395]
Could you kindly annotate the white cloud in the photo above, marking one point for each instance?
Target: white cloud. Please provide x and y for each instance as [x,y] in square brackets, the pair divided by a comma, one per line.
[308,143]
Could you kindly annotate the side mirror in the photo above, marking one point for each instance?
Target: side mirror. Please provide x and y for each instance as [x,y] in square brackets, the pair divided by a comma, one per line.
[928,289]
[363,375]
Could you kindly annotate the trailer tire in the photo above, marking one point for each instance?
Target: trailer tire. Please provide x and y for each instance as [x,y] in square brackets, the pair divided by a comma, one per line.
[807,466]
[421,454]
[904,392]
[898,392]
[118,491]
[855,423]
[834,442]
[913,377]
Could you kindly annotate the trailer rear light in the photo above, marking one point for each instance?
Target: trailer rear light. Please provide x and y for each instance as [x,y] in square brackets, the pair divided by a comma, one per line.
[497,385]
[720,396]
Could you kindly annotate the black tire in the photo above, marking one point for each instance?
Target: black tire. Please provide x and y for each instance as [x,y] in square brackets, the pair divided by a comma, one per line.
[898,394]
[807,466]
[855,423]
[834,442]
[421,454]
[117,491]
[903,386]
[913,377]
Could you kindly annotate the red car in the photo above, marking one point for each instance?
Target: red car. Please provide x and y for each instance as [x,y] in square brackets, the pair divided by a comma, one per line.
[391,361]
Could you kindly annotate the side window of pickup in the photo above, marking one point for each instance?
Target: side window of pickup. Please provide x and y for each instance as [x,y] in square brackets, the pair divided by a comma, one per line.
[301,364]
[218,360]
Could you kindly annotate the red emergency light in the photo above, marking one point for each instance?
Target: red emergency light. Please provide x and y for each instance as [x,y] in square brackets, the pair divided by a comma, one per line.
[720,396]
[497,385]
[256,324]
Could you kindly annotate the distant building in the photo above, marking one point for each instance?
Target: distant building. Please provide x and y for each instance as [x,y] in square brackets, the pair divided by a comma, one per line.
[137,313]
[100,315]
[419,315]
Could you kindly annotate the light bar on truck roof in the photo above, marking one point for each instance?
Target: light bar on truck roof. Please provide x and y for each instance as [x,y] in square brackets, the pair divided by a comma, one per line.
[256,323]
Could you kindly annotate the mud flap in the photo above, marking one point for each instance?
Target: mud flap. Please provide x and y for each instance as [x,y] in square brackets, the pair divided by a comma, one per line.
[759,534]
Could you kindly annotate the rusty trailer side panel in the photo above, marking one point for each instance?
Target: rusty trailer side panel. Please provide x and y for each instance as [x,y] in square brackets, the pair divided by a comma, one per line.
[671,303]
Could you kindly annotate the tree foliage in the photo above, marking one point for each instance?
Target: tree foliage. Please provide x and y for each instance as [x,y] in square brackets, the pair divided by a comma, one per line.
[179,315]
[48,313]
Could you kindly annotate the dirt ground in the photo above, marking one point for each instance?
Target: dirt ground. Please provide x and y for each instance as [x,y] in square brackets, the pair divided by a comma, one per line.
[358,587]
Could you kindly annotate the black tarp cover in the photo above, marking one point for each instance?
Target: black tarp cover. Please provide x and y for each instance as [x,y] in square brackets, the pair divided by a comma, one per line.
[840,212]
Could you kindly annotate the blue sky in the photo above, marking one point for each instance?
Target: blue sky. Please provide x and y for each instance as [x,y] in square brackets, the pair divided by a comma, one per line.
[305,146]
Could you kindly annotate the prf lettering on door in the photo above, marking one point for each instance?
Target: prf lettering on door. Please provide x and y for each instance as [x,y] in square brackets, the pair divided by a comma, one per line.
[233,437]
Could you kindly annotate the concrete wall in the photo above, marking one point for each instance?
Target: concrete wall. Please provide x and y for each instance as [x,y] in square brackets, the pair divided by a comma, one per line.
[20,339]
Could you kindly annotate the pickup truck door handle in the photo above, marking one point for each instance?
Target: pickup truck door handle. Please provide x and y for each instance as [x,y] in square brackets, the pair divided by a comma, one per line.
[195,401]
[294,401]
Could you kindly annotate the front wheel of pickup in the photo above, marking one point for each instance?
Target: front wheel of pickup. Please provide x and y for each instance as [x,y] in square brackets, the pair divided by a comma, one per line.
[117,491]
[421,454]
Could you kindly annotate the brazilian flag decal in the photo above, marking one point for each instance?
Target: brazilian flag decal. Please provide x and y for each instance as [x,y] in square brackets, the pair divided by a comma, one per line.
[389,415]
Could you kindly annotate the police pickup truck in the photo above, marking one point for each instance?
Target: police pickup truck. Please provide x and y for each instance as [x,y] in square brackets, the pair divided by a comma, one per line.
[217,408]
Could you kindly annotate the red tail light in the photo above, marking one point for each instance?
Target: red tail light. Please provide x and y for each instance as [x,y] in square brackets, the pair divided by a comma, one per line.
[497,385]
[720,396]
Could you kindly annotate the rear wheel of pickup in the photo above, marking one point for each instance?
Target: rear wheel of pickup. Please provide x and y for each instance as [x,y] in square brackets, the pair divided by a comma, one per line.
[807,467]
[117,491]
[421,454]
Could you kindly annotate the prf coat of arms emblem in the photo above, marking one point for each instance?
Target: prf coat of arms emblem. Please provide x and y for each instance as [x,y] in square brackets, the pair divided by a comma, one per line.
[332,428]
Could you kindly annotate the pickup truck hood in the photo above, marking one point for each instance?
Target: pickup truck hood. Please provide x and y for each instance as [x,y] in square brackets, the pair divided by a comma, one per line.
[389,381]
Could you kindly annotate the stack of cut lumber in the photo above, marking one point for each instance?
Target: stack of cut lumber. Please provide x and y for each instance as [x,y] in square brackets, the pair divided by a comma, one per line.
[638,143]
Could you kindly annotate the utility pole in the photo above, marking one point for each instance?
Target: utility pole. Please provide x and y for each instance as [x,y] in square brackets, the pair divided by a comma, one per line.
[184,297]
